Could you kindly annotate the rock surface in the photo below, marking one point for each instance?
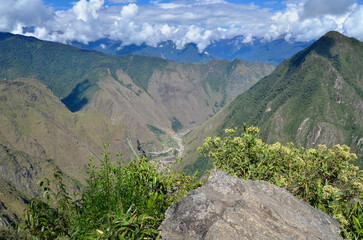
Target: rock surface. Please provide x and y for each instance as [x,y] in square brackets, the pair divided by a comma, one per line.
[231,208]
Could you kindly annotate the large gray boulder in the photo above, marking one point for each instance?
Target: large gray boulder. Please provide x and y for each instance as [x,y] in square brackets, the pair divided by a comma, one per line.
[231,208]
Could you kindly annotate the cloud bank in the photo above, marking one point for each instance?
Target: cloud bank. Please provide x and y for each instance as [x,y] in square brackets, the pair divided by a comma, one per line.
[198,21]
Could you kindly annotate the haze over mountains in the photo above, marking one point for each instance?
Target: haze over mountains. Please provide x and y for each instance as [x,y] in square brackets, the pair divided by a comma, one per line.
[271,52]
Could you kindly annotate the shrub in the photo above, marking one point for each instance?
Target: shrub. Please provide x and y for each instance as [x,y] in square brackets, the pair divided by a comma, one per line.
[323,177]
[120,202]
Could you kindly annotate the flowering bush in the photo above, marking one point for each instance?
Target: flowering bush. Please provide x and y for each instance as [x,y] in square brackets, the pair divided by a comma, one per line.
[325,178]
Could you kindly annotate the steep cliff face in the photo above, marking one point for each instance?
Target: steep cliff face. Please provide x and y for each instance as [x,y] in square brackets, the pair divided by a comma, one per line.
[38,135]
[34,121]
[231,208]
[19,175]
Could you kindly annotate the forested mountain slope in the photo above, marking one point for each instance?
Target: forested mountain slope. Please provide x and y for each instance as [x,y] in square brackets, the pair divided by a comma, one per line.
[315,97]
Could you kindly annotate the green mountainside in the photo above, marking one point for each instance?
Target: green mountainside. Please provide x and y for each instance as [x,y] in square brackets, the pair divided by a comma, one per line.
[63,68]
[315,97]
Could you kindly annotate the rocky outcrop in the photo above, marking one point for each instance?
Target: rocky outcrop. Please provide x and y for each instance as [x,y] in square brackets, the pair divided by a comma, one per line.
[231,208]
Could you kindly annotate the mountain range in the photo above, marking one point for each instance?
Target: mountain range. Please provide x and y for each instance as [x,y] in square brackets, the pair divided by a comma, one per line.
[59,104]
[258,50]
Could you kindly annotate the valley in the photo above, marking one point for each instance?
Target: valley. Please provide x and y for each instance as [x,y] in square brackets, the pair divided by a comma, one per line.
[173,153]
[60,104]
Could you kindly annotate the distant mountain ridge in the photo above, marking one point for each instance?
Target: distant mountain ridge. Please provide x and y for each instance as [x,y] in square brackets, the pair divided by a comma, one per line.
[273,52]
[166,50]
[315,97]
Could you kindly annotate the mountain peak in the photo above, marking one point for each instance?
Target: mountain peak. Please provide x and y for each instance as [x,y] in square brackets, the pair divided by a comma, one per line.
[329,46]
[334,34]
[332,39]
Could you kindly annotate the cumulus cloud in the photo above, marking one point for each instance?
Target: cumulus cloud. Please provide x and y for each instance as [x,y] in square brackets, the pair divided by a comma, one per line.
[129,11]
[316,8]
[353,25]
[308,21]
[87,10]
[290,24]
[199,21]
[23,12]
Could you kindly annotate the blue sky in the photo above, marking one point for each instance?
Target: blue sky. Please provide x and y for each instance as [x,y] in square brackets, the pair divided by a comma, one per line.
[182,21]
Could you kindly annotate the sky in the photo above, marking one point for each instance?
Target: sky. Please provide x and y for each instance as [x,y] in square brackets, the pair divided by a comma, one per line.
[182,21]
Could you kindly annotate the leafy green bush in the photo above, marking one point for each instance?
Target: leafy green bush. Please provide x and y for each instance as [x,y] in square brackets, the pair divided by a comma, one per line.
[120,202]
[323,177]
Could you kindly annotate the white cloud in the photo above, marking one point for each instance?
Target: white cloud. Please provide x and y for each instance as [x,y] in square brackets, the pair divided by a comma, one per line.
[353,25]
[298,23]
[87,10]
[316,8]
[169,5]
[196,35]
[129,11]
[17,13]
[182,21]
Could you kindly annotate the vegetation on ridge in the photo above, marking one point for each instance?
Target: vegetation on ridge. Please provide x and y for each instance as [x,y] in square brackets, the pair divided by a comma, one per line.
[120,202]
[325,178]
[129,201]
